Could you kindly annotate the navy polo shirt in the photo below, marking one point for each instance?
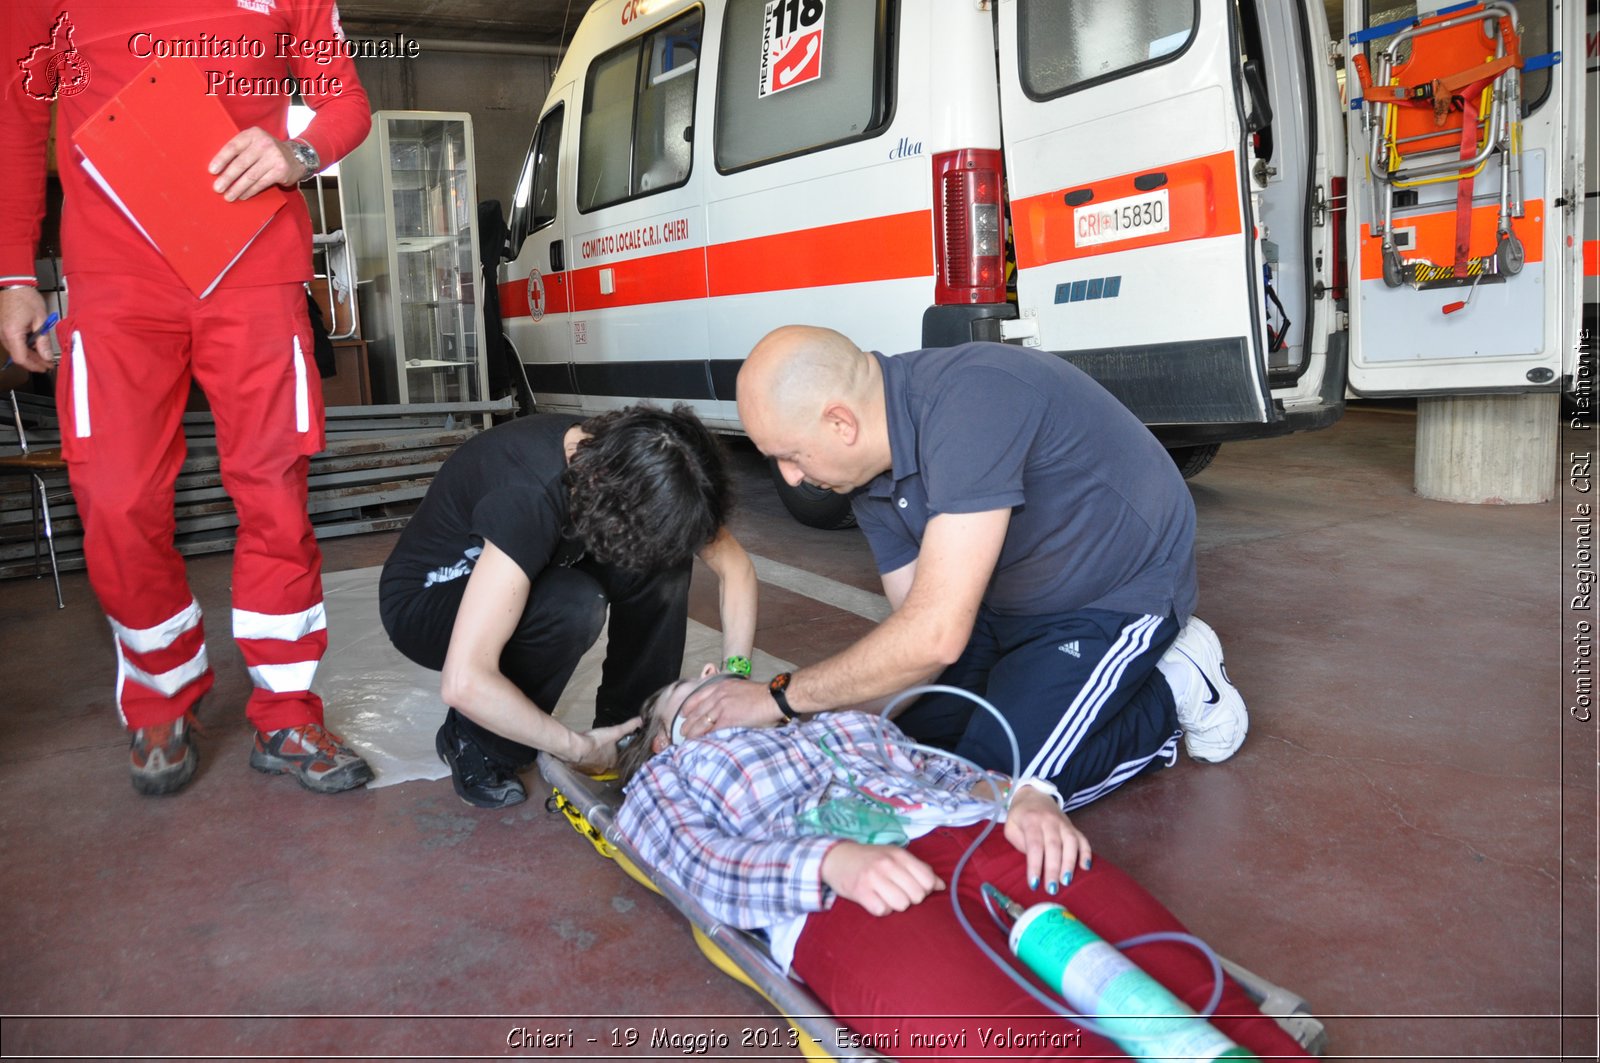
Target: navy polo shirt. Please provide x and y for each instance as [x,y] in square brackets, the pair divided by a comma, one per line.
[1100,517]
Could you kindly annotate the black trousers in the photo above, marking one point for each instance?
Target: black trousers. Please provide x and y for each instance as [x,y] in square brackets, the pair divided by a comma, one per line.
[648,619]
[1081,693]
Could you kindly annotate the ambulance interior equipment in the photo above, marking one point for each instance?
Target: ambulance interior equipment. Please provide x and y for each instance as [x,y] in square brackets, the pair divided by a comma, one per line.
[1446,96]
[590,805]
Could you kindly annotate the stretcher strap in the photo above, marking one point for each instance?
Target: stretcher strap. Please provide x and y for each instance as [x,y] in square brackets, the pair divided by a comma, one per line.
[1440,93]
[1469,148]
[1469,83]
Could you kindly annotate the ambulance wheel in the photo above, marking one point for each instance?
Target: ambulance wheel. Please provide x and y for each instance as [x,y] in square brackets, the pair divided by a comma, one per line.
[1510,255]
[1192,461]
[812,506]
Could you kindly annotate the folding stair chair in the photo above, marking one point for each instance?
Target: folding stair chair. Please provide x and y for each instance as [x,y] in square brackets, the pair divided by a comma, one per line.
[1445,94]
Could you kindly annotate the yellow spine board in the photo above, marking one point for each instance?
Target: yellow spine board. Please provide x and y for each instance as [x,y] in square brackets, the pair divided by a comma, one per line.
[808,1045]
[582,825]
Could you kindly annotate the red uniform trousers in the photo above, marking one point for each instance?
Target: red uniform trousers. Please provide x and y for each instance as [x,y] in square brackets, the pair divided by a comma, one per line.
[130,347]
[917,971]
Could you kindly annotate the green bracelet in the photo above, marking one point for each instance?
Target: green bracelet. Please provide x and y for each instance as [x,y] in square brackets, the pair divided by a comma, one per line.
[738,666]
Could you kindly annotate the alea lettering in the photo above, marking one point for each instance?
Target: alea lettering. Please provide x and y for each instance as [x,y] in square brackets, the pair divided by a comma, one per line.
[906,149]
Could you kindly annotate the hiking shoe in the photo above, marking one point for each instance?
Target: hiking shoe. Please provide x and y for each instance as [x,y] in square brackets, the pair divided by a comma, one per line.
[1211,712]
[162,758]
[479,781]
[314,755]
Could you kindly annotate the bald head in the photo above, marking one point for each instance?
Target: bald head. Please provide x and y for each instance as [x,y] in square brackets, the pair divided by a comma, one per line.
[795,371]
[810,397]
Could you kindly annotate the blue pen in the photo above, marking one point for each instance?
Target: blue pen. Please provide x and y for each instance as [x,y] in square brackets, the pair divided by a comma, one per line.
[42,330]
[33,337]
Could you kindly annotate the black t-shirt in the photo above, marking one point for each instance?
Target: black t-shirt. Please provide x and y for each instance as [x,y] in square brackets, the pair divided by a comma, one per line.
[503,486]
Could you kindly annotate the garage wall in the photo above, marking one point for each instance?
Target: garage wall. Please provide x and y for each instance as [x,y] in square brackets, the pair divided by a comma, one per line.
[501,92]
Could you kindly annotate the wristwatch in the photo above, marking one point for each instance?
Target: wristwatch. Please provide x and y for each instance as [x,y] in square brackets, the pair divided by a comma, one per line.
[306,156]
[780,684]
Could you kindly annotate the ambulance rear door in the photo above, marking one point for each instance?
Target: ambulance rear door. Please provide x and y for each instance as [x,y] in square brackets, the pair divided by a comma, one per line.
[1126,131]
[1507,320]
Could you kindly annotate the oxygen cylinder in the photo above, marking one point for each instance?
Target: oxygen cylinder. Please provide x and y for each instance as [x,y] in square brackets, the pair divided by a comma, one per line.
[1102,984]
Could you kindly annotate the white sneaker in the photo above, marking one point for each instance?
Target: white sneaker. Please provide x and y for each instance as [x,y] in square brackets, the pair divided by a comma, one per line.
[1211,711]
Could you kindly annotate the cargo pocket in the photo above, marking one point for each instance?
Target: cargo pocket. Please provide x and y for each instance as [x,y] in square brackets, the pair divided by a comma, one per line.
[72,401]
[308,415]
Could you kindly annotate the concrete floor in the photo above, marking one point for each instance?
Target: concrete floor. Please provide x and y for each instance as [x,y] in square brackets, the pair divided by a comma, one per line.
[1389,842]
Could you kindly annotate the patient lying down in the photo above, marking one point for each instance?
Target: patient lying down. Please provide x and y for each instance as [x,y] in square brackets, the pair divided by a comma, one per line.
[834,843]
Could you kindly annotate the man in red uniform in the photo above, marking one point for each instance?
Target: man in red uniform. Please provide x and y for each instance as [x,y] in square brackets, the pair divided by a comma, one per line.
[135,336]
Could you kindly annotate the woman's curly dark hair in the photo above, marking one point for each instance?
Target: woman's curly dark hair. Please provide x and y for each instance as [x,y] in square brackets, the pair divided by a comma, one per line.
[648,487]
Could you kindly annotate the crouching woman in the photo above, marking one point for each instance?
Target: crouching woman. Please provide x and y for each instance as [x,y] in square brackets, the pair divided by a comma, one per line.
[533,538]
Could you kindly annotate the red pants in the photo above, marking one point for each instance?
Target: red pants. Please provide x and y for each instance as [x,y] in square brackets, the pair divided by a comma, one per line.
[130,348]
[891,976]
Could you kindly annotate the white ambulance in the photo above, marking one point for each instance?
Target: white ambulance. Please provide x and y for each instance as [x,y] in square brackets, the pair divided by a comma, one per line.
[1154,190]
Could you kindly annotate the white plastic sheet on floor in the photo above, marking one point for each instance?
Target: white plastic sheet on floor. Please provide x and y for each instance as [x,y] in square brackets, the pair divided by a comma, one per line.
[389,708]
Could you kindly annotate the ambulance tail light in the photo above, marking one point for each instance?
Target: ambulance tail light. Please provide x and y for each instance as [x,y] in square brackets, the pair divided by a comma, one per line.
[1337,202]
[969,227]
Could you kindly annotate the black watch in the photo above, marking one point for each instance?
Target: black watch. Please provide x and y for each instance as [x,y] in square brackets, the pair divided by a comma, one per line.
[777,688]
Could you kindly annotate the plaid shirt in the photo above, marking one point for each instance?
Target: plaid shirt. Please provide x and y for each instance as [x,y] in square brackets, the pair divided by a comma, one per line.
[719,815]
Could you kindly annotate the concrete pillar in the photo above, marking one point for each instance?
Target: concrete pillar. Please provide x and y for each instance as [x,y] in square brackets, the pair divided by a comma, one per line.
[1488,449]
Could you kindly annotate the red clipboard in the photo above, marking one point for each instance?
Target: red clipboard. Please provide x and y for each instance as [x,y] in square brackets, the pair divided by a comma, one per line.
[148,149]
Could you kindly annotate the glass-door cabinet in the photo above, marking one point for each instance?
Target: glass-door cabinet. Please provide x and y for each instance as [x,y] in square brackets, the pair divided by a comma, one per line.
[410,213]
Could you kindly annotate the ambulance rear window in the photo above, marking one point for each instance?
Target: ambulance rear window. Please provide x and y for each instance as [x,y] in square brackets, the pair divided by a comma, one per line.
[1064,44]
[800,75]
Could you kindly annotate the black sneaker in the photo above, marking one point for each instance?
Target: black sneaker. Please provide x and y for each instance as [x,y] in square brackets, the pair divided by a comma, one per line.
[162,758]
[478,780]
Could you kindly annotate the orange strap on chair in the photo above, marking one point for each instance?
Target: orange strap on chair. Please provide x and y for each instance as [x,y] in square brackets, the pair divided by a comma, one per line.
[1440,92]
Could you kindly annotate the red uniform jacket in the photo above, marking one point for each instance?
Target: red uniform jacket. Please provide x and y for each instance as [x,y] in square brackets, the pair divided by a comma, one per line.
[76,54]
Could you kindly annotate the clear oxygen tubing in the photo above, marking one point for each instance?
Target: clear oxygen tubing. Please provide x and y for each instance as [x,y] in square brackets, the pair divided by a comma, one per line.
[1000,808]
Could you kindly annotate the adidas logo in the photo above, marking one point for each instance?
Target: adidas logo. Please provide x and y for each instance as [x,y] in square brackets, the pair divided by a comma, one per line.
[1070,648]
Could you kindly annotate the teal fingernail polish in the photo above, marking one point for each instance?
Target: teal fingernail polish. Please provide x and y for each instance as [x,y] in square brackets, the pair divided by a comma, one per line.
[1066,879]
[1087,864]
[1033,882]
[1051,889]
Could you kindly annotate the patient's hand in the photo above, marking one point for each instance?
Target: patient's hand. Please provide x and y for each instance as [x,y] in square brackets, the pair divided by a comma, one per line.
[880,878]
[596,750]
[1043,833]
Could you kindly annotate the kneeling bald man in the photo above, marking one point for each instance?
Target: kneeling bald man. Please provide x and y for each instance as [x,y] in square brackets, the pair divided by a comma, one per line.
[1036,545]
